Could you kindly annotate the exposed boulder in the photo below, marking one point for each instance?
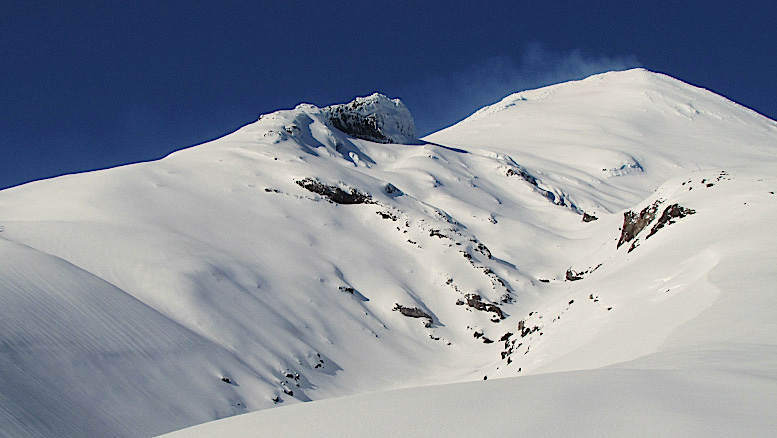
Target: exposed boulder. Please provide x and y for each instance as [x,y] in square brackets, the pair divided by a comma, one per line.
[391,189]
[526,331]
[573,276]
[387,215]
[375,118]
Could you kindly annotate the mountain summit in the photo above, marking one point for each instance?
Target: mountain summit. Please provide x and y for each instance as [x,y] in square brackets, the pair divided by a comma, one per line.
[303,257]
[375,118]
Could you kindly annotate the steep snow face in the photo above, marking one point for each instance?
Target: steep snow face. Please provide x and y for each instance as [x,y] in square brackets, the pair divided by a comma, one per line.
[291,261]
[375,118]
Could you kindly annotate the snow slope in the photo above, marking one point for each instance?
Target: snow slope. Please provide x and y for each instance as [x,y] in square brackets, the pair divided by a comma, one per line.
[590,403]
[223,279]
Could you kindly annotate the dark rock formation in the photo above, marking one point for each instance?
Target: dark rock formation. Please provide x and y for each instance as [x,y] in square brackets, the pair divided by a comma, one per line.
[334,193]
[481,248]
[387,215]
[523,174]
[589,217]
[476,302]
[674,211]
[391,189]
[574,276]
[556,198]
[347,289]
[437,233]
[375,118]
[578,275]
[414,312]
[364,127]
[527,331]
[633,223]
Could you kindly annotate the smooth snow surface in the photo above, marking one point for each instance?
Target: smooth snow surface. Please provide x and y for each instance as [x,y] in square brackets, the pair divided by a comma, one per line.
[222,279]
[590,403]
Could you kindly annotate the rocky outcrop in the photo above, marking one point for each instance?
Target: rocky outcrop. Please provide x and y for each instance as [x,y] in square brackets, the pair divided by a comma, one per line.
[554,196]
[414,312]
[523,174]
[674,211]
[476,302]
[633,223]
[375,118]
[573,276]
[334,193]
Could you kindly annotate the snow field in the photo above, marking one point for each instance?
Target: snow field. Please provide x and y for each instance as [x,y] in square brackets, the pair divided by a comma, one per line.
[147,298]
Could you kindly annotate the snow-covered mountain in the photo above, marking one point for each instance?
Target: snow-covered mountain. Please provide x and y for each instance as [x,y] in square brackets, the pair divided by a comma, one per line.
[608,240]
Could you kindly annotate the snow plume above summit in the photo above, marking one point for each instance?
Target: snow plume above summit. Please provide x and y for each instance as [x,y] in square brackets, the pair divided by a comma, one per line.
[443,100]
[375,118]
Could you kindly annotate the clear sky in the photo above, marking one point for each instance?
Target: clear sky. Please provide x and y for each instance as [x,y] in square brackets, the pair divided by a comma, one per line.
[93,84]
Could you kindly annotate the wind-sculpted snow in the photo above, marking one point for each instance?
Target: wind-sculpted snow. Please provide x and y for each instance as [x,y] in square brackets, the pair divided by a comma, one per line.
[291,261]
[78,354]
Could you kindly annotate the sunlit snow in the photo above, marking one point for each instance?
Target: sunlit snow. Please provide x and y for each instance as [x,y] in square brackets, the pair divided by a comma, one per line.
[421,289]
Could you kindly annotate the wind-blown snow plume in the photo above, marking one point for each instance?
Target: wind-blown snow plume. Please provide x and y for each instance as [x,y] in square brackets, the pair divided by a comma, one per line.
[438,102]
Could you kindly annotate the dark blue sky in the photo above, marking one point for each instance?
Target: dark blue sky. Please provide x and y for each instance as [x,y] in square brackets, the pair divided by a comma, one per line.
[92,84]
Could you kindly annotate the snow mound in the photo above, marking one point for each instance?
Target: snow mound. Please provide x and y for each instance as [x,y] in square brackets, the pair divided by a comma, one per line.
[375,118]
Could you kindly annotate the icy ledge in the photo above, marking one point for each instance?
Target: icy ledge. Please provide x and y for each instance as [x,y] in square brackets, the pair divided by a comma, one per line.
[375,118]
